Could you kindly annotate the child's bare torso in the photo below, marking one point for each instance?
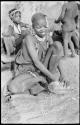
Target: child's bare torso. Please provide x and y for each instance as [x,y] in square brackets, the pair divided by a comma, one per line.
[40,49]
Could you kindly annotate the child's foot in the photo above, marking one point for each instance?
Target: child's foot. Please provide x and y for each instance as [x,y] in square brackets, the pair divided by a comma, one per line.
[59,87]
[73,55]
[77,51]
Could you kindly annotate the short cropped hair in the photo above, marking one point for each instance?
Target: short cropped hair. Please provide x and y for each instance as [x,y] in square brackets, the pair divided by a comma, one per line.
[36,17]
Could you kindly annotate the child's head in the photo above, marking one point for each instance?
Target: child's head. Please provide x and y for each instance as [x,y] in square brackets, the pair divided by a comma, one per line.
[39,24]
[15,15]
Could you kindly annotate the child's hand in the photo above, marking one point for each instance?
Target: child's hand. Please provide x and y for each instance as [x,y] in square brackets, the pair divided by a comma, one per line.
[16,36]
[28,26]
[24,33]
[61,78]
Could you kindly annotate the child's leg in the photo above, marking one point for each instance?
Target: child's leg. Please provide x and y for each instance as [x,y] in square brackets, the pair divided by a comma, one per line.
[48,56]
[65,41]
[72,48]
[76,39]
[71,45]
[52,59]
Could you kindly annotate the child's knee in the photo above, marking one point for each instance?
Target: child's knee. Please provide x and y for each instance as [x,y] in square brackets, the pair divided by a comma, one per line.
[12,88]
[51,49]
[59,47]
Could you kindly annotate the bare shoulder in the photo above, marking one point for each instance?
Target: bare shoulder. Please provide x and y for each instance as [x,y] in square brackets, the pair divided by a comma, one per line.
[30,37]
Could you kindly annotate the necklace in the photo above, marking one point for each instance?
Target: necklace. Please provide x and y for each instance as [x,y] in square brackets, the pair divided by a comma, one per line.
[40,39]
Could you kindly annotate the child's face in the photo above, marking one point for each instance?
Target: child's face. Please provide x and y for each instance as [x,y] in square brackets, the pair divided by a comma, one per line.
[17,17]
[41,27]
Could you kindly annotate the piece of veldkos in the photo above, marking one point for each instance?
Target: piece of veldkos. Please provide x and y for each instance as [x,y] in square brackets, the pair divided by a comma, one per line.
[58,87]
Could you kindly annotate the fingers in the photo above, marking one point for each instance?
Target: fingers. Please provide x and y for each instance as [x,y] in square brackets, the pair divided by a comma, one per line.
[67,83]
[61,79]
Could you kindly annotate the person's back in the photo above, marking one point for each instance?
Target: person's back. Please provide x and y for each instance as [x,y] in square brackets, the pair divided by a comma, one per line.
[71,11]
[69,18]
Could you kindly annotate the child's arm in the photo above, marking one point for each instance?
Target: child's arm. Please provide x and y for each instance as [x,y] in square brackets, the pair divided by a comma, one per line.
[25,25]
[49,39]
[34,56]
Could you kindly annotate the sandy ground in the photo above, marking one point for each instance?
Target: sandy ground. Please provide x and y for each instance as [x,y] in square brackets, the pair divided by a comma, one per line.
[45,108]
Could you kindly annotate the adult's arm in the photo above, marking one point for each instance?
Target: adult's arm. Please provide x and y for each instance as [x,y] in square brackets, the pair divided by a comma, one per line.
[63,10]
[62,13]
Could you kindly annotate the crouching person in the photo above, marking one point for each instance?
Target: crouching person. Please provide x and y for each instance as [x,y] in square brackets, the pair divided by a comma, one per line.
[36,59]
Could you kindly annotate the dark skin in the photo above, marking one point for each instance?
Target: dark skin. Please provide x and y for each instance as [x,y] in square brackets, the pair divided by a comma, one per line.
[19,37]
[17,20]
[41,30]
[29,44]
[29,40]
[67,17]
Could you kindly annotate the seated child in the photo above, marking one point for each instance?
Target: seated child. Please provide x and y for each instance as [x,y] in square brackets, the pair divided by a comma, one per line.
[68,15]
[36,59]
[15,35]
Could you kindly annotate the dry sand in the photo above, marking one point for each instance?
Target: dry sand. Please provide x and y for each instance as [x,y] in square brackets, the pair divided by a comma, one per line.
[45,108]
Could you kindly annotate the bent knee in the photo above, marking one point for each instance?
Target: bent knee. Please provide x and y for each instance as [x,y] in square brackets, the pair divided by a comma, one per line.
[58,44]
[59,48]
[12,88]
